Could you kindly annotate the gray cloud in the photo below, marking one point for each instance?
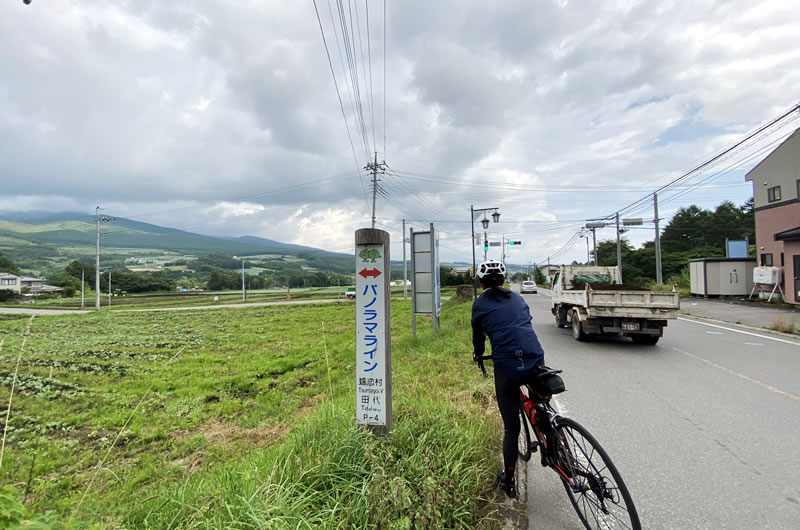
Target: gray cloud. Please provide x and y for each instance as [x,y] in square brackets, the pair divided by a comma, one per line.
[151,106]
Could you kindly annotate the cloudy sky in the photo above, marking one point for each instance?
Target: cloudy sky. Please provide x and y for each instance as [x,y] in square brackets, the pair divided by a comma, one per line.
[221,117]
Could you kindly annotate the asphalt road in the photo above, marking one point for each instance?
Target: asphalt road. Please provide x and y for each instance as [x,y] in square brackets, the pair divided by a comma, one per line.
[704,427]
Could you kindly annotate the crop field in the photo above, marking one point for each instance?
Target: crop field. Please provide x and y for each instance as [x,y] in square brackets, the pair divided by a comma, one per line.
[244,419]
[198,298]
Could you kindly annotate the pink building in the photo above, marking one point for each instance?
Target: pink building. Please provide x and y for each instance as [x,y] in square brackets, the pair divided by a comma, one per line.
[776,200]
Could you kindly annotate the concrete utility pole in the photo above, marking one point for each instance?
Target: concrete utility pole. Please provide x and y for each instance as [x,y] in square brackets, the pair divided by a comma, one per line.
[474,277]
[244,292]
[619,251]
[658,240]
[109,287]
[97,261]
[105,219]
[405,265]
[82,284]
[588,256]
[376,168]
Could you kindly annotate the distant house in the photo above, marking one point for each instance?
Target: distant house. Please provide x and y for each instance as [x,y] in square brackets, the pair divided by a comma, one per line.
[776,201]
[550,270]
[460,270]
[32,286]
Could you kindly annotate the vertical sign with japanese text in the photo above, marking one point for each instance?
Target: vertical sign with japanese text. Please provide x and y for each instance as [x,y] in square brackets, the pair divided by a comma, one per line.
[373,336]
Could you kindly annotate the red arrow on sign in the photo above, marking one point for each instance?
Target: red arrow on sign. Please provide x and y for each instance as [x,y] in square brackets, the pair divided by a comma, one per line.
[366,273]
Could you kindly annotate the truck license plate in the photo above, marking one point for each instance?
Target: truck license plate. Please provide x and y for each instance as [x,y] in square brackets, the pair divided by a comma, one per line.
[630,326]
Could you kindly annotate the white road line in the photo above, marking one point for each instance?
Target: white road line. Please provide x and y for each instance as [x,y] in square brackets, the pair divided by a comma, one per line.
[737,374]
[741,331]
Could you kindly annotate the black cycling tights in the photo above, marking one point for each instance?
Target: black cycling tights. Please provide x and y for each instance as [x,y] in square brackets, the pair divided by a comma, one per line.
[508,400]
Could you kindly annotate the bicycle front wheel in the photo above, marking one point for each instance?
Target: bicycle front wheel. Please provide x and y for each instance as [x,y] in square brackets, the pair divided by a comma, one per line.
[594,485]
[524,439]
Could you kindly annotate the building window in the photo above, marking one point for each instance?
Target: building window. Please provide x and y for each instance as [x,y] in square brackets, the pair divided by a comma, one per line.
[782,259]
[8,281]
[774,194]
[766,260]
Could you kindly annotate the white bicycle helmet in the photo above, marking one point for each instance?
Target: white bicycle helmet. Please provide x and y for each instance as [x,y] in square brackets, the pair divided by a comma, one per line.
[491,267]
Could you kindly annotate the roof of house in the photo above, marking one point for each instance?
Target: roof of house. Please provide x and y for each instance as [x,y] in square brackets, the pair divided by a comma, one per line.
[788,235]
[755,168]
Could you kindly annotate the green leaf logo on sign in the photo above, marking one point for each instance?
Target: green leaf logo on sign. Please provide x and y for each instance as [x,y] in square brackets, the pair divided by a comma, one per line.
[369,255]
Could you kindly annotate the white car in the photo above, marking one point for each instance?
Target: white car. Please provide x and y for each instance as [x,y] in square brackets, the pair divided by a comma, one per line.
[528,287]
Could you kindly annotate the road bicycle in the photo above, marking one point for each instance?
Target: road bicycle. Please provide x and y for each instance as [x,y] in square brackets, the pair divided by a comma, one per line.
[594,486]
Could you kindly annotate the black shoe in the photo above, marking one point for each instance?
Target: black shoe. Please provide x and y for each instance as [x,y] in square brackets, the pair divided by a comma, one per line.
[510,489]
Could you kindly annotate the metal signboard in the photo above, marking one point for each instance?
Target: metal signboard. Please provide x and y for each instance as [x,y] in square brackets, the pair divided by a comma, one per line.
[632,221]
[425,277]
[495,243]
[373,334]
[737,248]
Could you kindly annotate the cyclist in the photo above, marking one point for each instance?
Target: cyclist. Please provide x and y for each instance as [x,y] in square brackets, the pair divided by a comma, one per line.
[506,319]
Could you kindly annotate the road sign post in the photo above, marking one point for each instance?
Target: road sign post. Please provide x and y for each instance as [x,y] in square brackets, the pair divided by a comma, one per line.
[373,331]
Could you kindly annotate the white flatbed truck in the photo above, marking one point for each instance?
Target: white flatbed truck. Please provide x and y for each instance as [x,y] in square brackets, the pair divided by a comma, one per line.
[594,302]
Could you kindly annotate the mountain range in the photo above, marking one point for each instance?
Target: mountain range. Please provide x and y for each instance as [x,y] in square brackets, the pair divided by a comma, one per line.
[37,240]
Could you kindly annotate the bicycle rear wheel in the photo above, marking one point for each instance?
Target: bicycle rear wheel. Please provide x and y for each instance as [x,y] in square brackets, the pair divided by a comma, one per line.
[524,438]
[594,485]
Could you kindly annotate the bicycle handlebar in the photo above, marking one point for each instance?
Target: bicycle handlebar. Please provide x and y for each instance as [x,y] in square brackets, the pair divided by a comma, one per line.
[479,359]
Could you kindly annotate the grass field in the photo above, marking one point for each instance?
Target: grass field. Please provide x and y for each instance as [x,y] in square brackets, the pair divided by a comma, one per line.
[199,298]
[243,419]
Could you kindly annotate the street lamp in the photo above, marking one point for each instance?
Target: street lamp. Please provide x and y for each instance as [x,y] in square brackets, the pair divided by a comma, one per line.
[485,223]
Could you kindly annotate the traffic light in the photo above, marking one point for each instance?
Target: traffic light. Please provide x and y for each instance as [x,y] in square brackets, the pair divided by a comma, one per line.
[486,246]
[515,242]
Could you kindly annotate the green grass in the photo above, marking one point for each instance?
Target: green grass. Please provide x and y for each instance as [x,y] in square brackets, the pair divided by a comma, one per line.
[249,427]
[194,299]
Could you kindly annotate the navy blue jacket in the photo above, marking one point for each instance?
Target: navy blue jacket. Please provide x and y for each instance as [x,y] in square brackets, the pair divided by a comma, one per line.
[507,322]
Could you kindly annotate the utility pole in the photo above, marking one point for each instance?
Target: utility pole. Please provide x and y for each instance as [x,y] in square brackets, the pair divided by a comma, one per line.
[594,244]
[658,240]
[405,266]
[82,284]
[588,256]
[375,168]
[97,219]
[97,261]
[619,252]
[474,276]
[109,287]
[503,253]
[244,292]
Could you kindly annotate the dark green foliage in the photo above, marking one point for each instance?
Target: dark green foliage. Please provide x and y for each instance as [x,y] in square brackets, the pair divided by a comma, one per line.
[538,276]
[7,295]
[6,265]
[692,233]
[75,268]
[137,282]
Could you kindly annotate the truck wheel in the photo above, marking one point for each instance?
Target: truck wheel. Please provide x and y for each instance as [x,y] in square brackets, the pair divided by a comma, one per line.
[561,318]
[649,340]
[577,329]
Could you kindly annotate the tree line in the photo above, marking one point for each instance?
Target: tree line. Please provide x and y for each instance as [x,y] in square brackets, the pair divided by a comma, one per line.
[693,232]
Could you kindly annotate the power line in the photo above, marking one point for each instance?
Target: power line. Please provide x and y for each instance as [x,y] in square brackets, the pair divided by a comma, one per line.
[712,160]
[339,95]
[371,92]
[384,79]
